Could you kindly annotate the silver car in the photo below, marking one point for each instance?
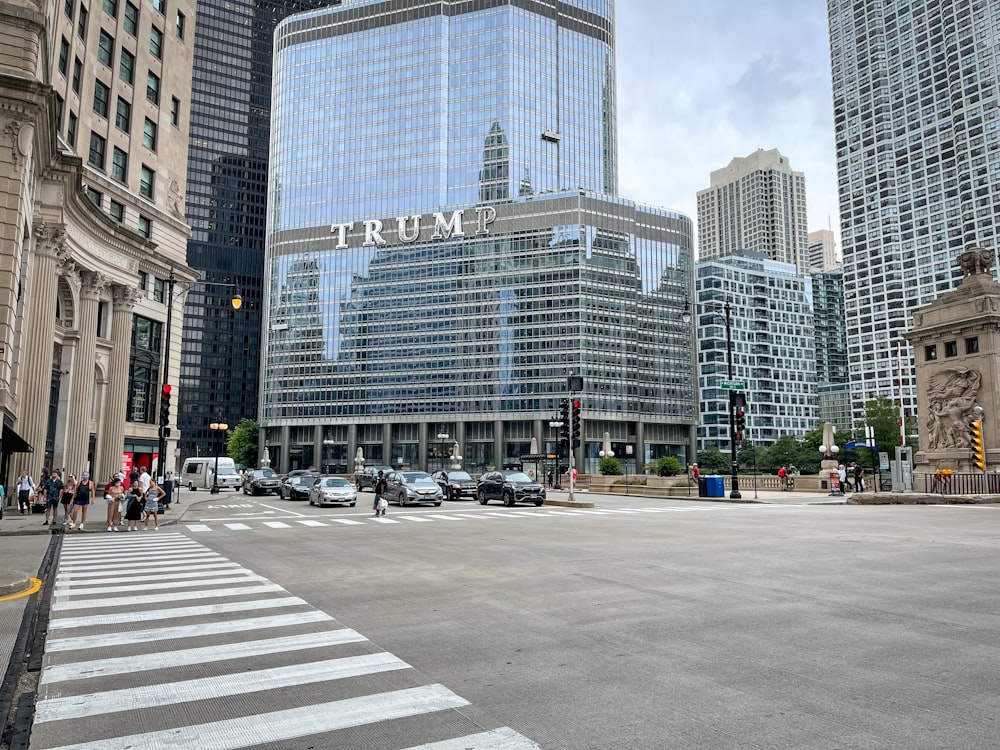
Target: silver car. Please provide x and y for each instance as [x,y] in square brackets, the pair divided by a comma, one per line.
[405,487]
[332,491]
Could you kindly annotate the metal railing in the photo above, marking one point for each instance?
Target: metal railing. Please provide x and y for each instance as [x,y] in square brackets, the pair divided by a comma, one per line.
[973,483]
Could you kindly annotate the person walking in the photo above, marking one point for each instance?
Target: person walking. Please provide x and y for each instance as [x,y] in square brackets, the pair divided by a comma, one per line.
[25,486]
[67,497]
[842,477]
[133,507]
[144,480]
[53,492]
[152,506]
[82,499]
[380,489]
[113,495]
[859,477]
[3,499]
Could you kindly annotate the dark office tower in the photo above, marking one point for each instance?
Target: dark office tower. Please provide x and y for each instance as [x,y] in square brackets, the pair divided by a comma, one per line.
[915,99]
[226,198]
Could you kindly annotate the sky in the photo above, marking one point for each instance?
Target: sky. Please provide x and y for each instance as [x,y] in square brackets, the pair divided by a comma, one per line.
[702,82]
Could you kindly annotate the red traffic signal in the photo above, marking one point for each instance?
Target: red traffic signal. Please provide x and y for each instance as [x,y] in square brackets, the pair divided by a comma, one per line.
[166,389]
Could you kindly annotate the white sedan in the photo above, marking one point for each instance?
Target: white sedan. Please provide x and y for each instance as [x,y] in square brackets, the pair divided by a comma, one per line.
[332,491]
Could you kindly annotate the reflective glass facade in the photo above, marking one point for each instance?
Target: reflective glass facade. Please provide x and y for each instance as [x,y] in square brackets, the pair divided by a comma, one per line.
[489,127]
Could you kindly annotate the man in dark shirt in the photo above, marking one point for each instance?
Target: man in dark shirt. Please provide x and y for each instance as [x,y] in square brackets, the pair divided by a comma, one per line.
[53,490]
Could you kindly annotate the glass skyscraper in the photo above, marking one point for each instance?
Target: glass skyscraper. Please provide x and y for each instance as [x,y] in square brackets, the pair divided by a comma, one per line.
[444,246]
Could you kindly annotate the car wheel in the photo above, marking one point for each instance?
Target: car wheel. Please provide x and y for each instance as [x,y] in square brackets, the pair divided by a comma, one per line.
[482,497]
[401,500]
[508,499]
[538,503]
[437,503]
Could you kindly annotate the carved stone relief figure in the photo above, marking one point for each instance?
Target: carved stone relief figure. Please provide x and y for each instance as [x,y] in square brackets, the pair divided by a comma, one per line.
[951,395]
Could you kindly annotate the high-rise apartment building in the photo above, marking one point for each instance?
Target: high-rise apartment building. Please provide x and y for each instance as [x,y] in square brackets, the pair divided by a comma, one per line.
[916,95]
[444,245]
[833,381]
[95,116]
[773,347]
[756,203]
[226,206]
[822,251]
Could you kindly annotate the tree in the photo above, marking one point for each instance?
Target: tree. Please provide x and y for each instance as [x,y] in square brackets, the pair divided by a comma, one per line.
[711,460]
[610,466]
[747,458]
[242,443]
[786,450]
[882,413]
[668,466]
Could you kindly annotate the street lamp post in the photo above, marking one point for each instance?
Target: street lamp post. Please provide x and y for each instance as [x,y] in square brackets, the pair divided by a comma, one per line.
[220,427]
[734,464]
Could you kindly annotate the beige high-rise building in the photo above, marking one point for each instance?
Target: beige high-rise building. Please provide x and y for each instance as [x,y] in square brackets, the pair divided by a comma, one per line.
[822,251]
[756,203]
[92,223]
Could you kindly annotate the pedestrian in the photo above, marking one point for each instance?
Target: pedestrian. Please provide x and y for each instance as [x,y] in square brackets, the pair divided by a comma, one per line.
[133,507]
[82,499]
[144,480]
[53,492]
[25,487]
[783,477]
[381,486]
[67,497]
[113,495]
[3,499]
[859,477]
[152,507]
[133,476]
[842,477]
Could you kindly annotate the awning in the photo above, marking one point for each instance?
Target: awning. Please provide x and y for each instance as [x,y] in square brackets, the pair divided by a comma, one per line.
[14,443]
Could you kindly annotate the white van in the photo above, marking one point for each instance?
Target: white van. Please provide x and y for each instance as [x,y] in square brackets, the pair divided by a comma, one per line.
[196,474]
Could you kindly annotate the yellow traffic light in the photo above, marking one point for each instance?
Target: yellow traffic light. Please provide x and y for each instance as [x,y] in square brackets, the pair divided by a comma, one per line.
[976,444]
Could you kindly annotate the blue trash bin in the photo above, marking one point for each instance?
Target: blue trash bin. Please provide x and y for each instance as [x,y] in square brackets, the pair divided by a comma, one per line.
[716,486]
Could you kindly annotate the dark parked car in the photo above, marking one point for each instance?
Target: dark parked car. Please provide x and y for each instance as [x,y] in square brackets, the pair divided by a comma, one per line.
[366,479]
[296,486]
[332,491]
[456,484]
[510,487]
[261,482]
[405,487]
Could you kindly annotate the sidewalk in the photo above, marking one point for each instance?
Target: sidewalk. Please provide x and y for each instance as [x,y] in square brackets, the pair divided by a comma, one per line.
[766,496]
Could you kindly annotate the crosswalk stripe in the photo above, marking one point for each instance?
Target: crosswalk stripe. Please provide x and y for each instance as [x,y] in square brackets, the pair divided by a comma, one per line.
[136,552]
[172,693]
[222,578]
[131,543]
[348,522]
[199,527]
[494,515]
[236,526]
[185,657]
[170,539]
[309,522]
[384,520]
[443,517]
[277,524]
[503,738]
[91,578]
[104,640]
[260,729]
[416,518]
[120,618]
[525,513]
[129,601]
[120,560]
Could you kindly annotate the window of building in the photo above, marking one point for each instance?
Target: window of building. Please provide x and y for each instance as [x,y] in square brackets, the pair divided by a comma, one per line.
[156,42]
[153,88]
[149,134]
[81,22]
[101,96]
[146,181]
[110,7]
[175,111]
[930,353]
[106,48]
[119,165]
[60,103]
[972,345]
[77,74]
[951,348]
[126,67]
[160,6]
[123,116]
[97,151]
[68,9]
[144,369]
[71,130]
[145,226]
[131,18]
[117,211]
[64,56]
[180,25]
[158,287]
[143,281]
[95,196]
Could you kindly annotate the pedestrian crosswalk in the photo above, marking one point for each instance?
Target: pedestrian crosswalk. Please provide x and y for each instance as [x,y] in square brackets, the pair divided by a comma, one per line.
[471,514]
[216,657]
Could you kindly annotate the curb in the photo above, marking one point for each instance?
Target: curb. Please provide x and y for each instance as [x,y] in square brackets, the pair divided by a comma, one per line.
[21,582]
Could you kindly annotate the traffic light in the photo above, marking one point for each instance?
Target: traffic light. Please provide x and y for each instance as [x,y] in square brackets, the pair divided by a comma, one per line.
[165,405]
[741,422]
[576,424]
[976,443]
[564,419]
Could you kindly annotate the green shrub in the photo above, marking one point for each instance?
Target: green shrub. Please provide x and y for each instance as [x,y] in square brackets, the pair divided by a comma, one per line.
[668,466]
[610,466]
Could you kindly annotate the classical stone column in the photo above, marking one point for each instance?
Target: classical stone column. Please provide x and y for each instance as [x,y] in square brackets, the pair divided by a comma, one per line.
[39,333]
[82,376]
[111,436]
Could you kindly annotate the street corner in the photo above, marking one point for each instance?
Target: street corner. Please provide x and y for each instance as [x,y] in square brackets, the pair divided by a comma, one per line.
[14,583]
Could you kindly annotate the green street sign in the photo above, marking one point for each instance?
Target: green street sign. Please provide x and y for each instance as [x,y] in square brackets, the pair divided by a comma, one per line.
[732,385]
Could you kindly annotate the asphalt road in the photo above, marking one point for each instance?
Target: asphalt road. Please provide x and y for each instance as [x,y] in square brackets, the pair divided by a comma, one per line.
[676,625]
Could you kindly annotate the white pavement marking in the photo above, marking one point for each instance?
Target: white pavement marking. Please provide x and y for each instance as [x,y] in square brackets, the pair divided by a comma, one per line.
[79,580]
[236,526]
[348,522]
[309,522]
[172,693]
[223,579]
[260,729]
[525,513]
[198,527]
[415,518]
[494,515]
[105,640]
[443,517]
[503,738]
[89,555]
[282,510]
[86,621]
[84,577]
[380,519]
[278,524]
[131,601]
[138,559]
[169,659]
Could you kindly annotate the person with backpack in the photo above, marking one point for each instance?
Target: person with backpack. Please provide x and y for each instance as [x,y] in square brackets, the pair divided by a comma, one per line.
[53,491]
[25,488]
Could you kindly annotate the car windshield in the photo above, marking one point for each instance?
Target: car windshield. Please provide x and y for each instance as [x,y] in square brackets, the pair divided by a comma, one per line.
[335,482]
[302,480]
[266,473]
[414,476]
[516,476]
[459,475]
[226,470]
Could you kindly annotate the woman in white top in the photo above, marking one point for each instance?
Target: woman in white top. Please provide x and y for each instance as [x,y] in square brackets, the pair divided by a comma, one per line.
[152,507]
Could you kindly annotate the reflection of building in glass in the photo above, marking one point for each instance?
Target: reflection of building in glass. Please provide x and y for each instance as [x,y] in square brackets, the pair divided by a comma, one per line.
[464,316]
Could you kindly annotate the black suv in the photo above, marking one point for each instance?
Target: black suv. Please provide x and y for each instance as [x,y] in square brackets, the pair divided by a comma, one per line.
[368,477]
[261,482]
[456,484]
[510,487]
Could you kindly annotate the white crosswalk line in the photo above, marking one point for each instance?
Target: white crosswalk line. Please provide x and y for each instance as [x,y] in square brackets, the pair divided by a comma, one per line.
[383,519]
[443,517]
[120,618]
[118,585]
[503,738]
[236,526]
[348,522]
[414,518]
[278,524]
[199,527]
[126,601]
[86,577]
[170,659]
[139,559]
[260,729]
[90,555]
[308,522]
